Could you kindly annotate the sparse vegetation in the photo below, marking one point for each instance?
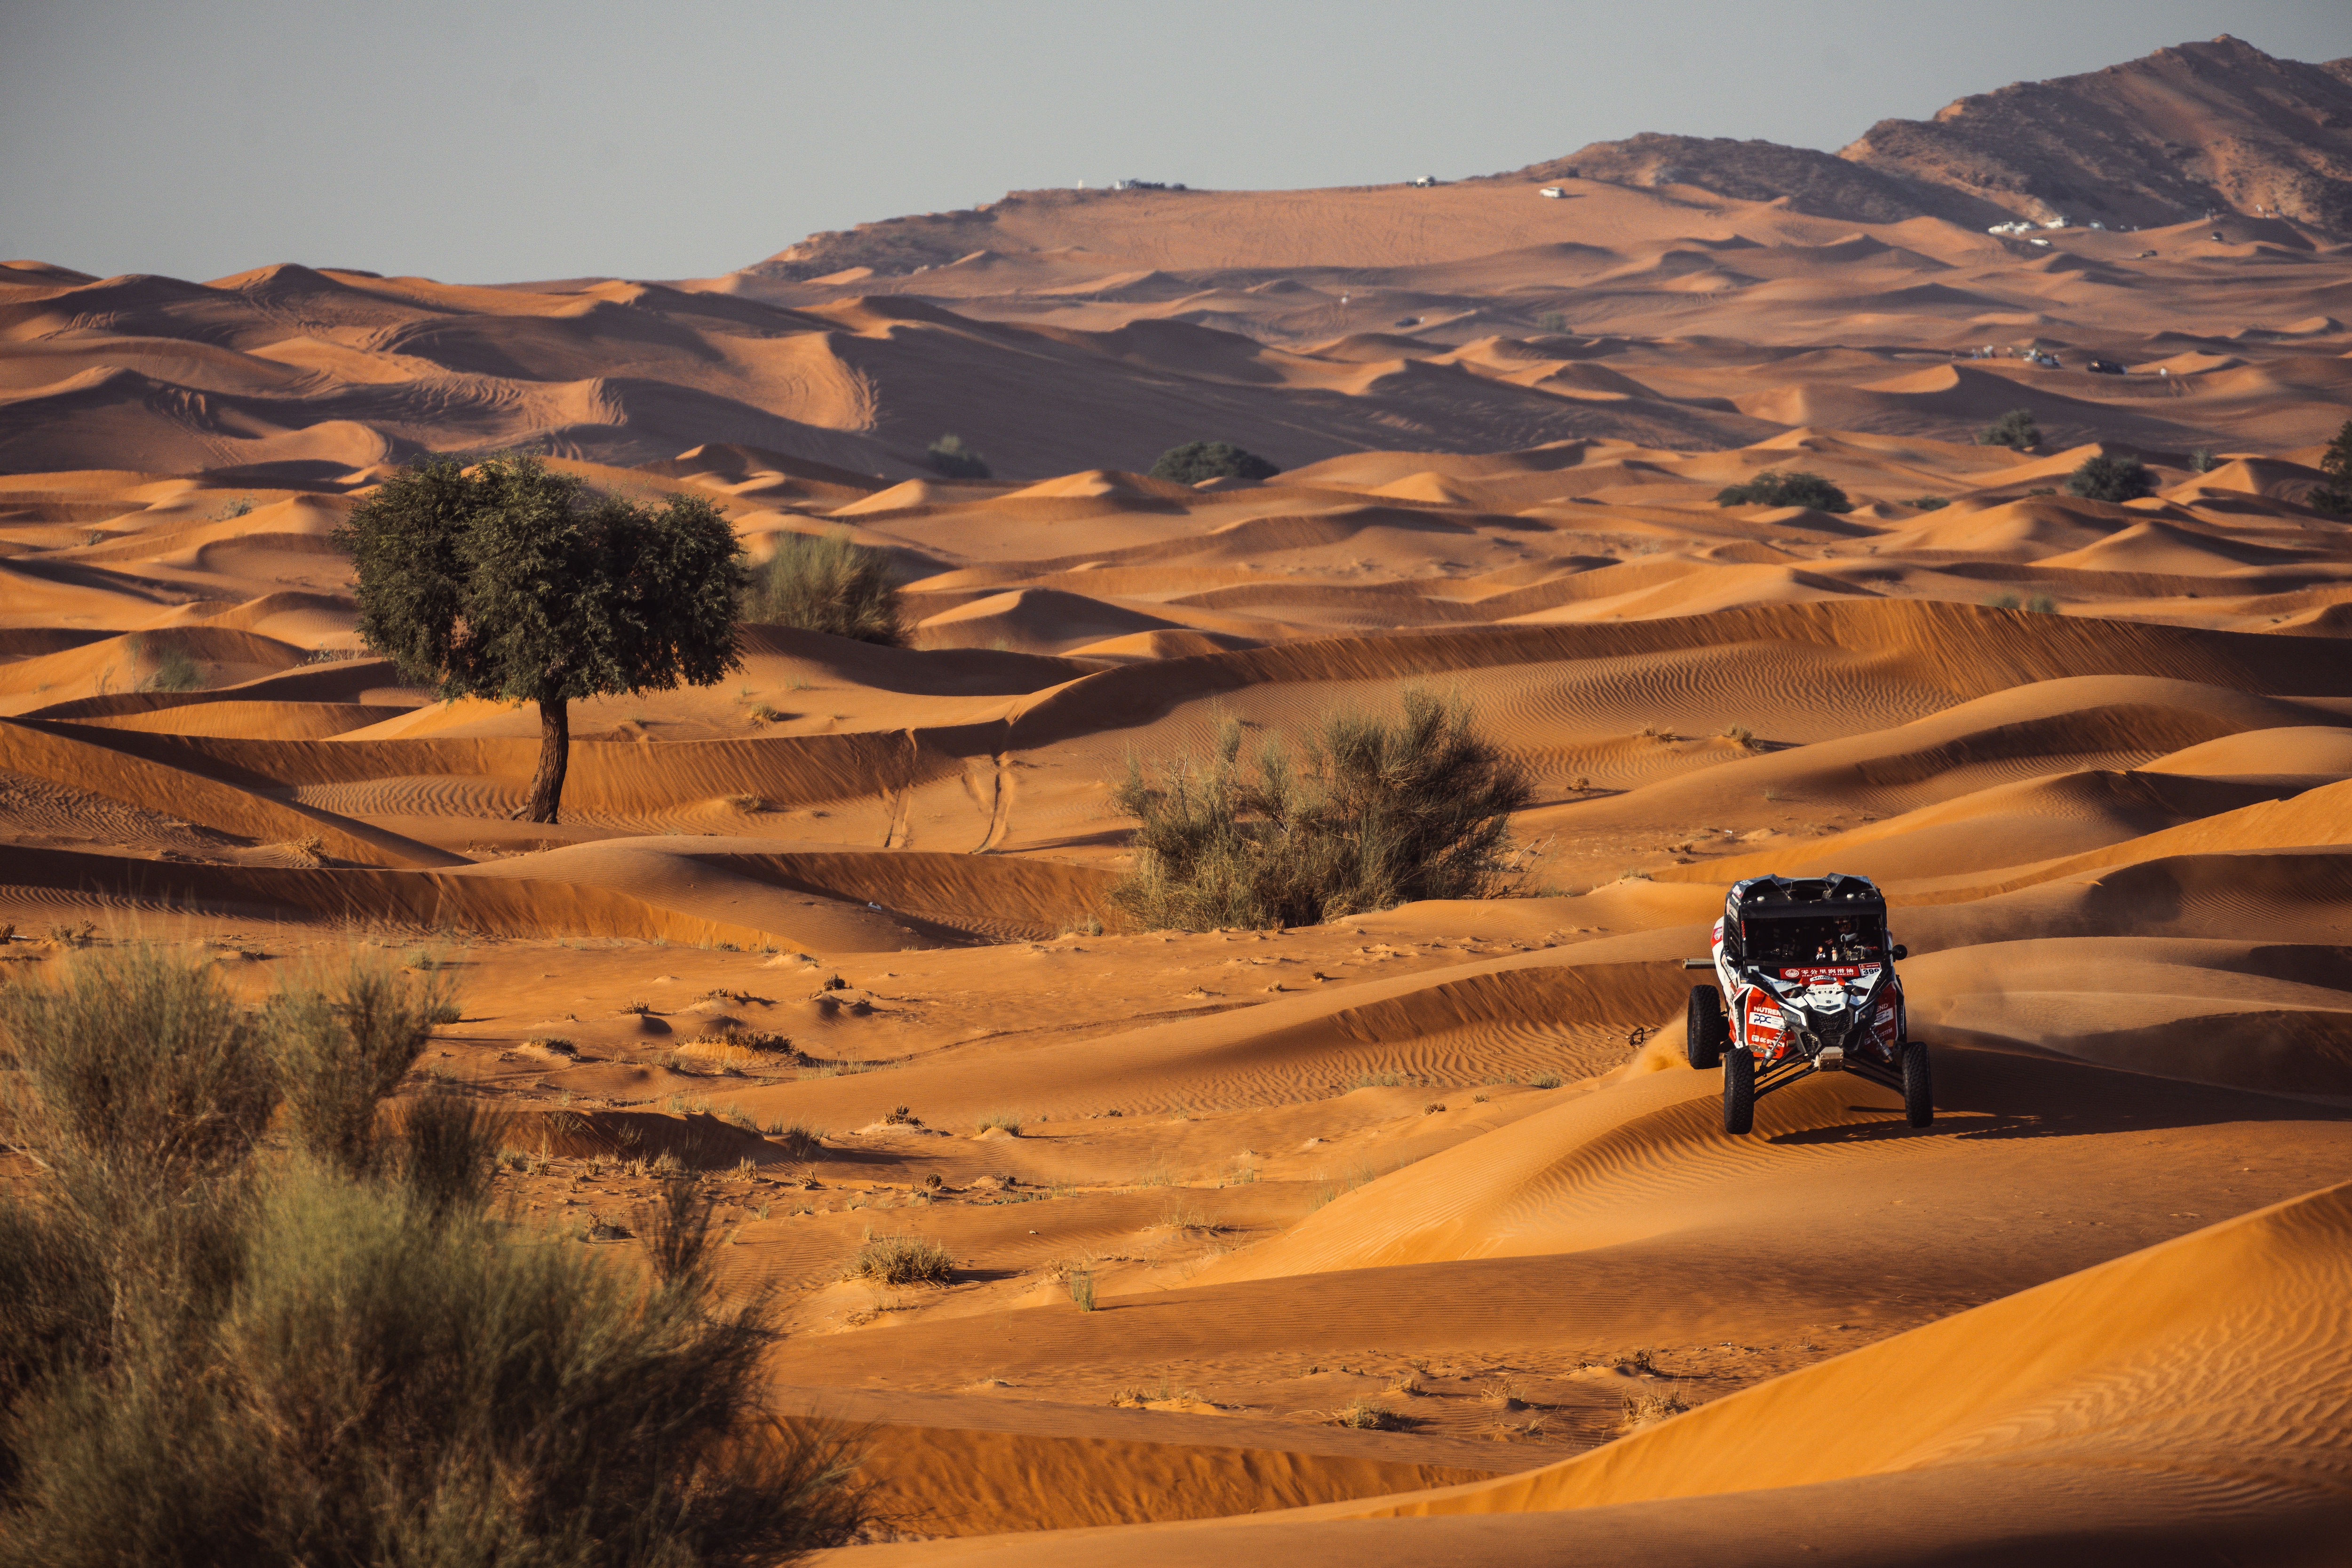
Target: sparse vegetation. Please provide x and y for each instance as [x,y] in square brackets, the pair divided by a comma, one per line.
[1197,460]
[827,582]
[1374,814]
[1931,503]
[513,582]
[1740,735]
[795,1141]
[2043,605]
[211,1351]
[1004,1119]
[1648,1410]
[2111,478]
[174,671]
[1797,489]
[2015,429]
[2336,496]
[1081,1283]
[900,1260]
[1363,1415]
[2202,461]
[1552,321]
[950,459]
[2001,602]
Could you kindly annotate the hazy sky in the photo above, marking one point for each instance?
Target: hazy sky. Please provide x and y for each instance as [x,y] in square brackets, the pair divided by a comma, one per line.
[481,141]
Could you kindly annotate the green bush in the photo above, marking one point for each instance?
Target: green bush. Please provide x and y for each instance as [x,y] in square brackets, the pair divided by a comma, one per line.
[1552,321]
[828,584]
[950,459]
[1196,460]
[213,1351]
[1772,488]
[2336,496]
[2203,461]
[2015,429]
[1932,503]
[2103,478]
[1373,815]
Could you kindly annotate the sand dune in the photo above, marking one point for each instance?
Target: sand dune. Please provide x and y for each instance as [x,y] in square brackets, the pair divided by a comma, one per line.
[840,934]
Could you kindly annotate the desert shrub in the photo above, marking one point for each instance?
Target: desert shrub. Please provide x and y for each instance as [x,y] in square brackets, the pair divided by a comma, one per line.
[1008,1120]
[1932,503]
[1196,460]
[827,584]
[341,1048]
[900,1260]
[2105,478]
[2203,461]
[950,459]
[2043,605]
[2336,496]
[1552,321]
[1772,488]
[2001,602]
[214,1353]
[1365,1415]
[1373,815]
[2015,430]
[174,671]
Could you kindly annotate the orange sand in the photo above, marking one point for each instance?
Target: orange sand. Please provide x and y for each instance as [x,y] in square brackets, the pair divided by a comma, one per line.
[2094,1313]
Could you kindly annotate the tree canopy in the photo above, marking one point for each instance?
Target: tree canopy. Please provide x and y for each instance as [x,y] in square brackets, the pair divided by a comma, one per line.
[2105,478]
[2015,430]
[1772,489]
[1196,460]
[514,582]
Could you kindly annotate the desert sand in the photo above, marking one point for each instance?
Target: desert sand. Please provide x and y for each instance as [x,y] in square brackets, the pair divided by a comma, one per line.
[1447,1158]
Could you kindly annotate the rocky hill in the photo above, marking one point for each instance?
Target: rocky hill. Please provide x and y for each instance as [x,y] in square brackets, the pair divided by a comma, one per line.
[2201,126]
[2212,127]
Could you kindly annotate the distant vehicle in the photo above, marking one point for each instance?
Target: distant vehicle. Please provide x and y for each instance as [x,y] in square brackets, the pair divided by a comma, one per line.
[1551,192]
[1809,972]
[2047,362]
[2100,227]
[1426,180]
[2044,243]
[1406,322]
[2104,367]
[2217,234]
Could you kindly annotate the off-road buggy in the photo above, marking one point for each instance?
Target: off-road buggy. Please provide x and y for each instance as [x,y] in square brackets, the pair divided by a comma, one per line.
[1809,972]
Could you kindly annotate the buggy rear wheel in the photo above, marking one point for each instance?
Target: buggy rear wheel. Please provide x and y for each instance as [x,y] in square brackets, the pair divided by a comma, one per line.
[1706,1031]
[1918,1084]
[1739,1091]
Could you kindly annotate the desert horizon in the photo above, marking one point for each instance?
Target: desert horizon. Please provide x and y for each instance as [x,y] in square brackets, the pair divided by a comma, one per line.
[1968,511]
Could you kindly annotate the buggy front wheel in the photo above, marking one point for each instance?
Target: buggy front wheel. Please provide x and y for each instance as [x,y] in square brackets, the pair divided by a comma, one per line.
[1739,1091]
[1918,1084]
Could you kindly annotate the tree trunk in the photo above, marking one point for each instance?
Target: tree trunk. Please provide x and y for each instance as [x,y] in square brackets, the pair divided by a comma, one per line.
[555,756]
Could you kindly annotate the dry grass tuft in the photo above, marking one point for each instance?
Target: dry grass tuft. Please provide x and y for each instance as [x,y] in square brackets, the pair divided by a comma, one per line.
[902,1260]
[1648,1410]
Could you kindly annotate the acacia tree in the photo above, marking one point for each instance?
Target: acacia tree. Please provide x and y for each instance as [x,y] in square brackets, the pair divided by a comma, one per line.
[519,585]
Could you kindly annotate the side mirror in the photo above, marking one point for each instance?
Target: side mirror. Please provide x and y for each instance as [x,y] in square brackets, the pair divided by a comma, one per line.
[1901,951]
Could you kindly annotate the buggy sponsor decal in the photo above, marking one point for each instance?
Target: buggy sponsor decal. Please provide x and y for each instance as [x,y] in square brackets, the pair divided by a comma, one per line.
[1817,971]
[1764,1024]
